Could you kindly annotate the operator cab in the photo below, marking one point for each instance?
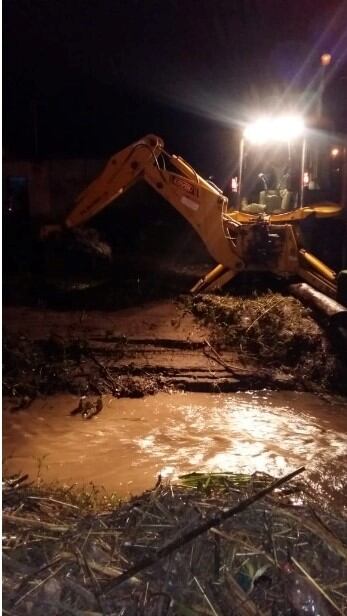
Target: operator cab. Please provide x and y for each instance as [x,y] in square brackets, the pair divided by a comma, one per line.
[285,166]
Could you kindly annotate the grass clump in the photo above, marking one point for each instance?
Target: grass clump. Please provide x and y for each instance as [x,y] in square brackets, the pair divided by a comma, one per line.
[274,330]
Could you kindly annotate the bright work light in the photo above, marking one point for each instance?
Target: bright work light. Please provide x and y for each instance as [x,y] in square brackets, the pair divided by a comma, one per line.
[282,128]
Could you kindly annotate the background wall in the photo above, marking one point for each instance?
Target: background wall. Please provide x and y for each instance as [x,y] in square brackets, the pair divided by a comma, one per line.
[51,186]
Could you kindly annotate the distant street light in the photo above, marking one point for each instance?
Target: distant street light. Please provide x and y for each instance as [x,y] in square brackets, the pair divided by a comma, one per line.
[325,59]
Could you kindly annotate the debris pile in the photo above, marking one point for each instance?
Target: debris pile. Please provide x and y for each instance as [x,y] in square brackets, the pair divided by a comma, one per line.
[48,366]
[208,546]
[274,330]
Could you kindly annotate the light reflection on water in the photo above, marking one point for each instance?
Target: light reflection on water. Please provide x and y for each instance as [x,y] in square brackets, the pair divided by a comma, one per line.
[131,441]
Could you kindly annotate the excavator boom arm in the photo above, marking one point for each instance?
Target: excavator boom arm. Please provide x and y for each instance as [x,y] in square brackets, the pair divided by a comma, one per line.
[121,172]
[201,203]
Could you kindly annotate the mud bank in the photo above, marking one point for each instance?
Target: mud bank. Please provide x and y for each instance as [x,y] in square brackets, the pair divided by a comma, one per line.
[208,344]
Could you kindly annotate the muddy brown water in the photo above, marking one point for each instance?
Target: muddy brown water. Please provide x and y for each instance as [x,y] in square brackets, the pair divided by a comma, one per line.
[131,441]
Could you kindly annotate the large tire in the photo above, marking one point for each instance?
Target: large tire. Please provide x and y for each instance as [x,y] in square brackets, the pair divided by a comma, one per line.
[342,287]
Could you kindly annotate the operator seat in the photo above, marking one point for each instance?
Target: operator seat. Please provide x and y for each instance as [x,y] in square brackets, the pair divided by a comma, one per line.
[271,199]
[276,200]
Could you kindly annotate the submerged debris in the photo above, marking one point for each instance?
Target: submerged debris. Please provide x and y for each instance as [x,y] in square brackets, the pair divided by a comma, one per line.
[87,408]
[64,551]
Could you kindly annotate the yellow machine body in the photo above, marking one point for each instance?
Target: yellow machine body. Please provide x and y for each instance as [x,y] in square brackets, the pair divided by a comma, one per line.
[236,240]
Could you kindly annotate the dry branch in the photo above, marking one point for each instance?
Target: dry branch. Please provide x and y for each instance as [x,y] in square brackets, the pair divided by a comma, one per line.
[189,535]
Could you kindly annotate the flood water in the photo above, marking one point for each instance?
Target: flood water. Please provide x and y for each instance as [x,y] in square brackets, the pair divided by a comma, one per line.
[131,441]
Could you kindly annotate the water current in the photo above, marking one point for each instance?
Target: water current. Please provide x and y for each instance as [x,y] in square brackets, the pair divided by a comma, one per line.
[131,441]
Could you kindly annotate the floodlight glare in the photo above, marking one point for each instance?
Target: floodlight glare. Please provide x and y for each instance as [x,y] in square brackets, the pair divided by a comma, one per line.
[266,129]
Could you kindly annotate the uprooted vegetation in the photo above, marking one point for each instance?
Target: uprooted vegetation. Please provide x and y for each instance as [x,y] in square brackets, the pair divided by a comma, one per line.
[48,366]
[274,331]
[64,551]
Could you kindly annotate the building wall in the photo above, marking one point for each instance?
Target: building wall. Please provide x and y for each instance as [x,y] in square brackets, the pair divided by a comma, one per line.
[52,185]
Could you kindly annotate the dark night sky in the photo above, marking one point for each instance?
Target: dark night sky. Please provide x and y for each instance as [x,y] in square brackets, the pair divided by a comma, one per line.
[94,75]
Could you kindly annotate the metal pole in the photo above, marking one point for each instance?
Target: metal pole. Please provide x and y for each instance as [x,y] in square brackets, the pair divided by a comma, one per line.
[321,89]
[325,60]
[242,146]
[344,206]
[303,157]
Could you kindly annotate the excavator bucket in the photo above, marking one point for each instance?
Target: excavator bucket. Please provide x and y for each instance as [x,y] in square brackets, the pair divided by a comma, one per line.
[75,261]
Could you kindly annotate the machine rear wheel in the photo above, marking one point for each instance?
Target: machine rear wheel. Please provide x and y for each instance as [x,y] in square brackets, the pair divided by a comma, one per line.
[342,287]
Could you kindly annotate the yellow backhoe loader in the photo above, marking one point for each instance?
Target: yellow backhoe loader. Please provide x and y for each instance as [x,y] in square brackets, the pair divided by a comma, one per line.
[286,175]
